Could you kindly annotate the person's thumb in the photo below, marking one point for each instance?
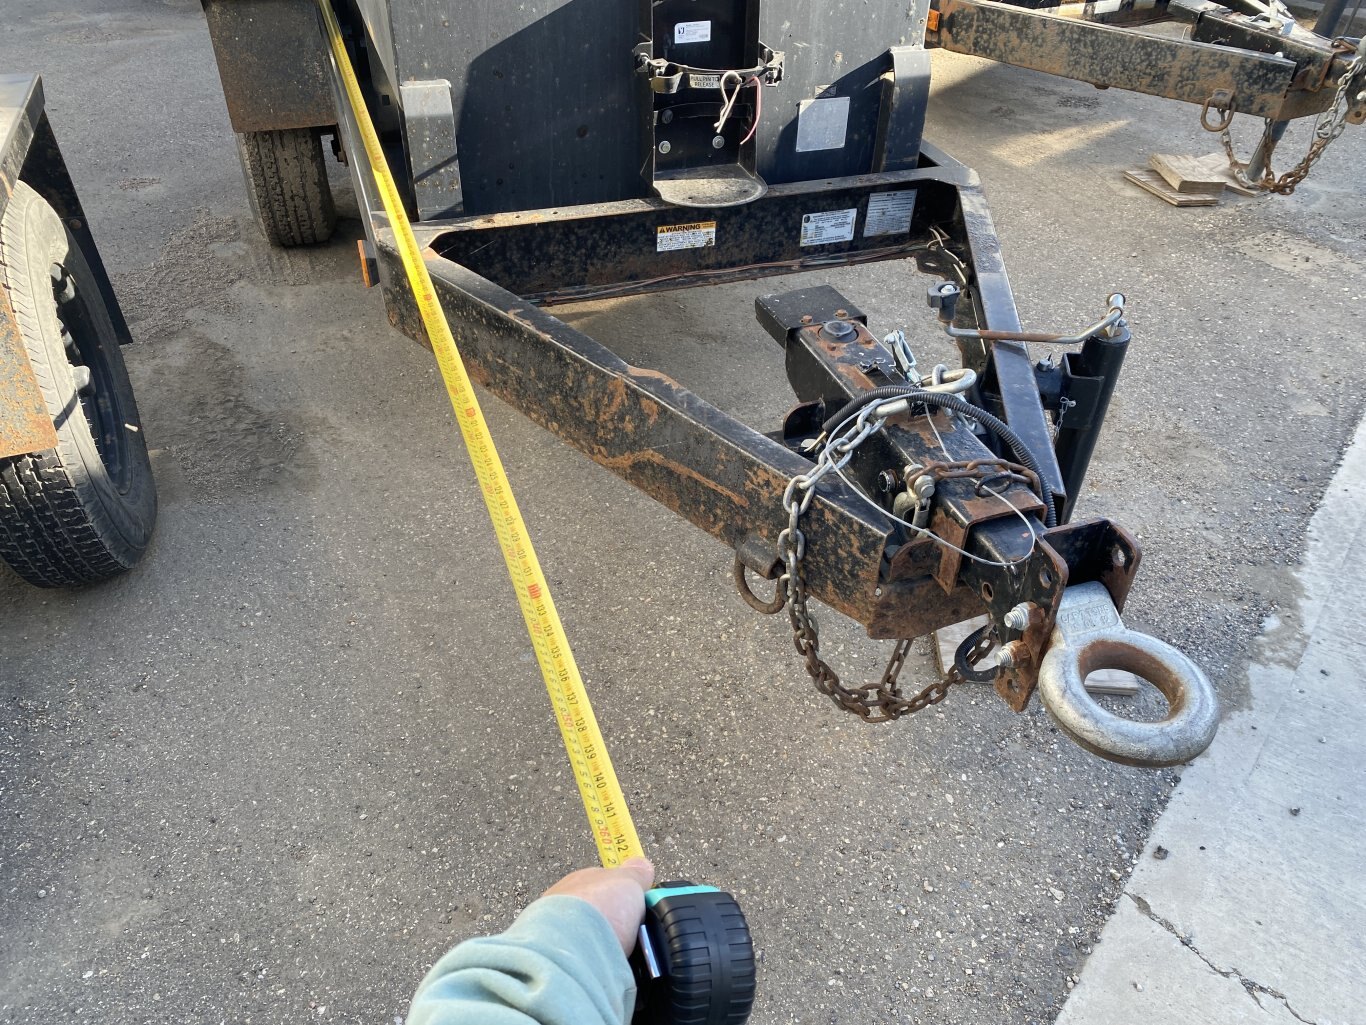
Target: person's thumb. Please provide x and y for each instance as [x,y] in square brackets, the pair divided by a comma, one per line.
[640,870]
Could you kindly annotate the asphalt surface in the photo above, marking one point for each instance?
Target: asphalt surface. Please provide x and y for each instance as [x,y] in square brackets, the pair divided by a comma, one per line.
[278,769]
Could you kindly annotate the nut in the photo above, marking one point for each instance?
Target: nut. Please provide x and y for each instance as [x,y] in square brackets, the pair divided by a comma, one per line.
[1014,654]
[1018,617]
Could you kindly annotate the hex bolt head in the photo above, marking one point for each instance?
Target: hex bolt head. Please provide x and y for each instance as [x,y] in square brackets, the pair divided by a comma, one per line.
[1018,617]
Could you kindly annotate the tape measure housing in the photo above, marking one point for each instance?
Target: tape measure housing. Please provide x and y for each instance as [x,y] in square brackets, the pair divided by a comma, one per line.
[704,954]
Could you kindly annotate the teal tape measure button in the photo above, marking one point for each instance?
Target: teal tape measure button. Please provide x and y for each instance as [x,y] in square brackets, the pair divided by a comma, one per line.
[694,962]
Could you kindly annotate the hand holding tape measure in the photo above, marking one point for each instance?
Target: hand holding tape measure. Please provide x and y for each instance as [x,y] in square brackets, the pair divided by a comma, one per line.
[694,959]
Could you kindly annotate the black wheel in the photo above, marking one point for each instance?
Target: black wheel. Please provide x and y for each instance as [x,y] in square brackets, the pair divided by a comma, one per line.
[287,176]
[705,959]
[83,511]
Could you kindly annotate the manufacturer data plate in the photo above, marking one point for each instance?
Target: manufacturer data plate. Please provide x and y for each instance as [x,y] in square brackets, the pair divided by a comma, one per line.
[700,235]
[889,213]
[692,32]
[829,226]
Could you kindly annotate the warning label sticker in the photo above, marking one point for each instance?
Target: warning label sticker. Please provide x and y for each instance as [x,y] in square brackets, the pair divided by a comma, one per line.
[685,236]
[692,32]
[829,226]
[889,213]
[704,81]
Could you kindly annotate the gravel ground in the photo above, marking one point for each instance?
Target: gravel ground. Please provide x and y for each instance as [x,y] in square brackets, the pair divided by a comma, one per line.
[273,773]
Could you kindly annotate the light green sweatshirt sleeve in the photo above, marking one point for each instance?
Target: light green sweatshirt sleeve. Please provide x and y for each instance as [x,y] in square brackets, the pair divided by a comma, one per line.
[559,964]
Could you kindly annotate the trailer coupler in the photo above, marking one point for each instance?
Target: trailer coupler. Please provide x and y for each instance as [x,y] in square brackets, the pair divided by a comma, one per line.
[975,529]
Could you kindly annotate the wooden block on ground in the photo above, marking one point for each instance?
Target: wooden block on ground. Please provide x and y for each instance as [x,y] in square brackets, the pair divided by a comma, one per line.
[1217,164]
[1153,182]
[1189,174]
[1102,681]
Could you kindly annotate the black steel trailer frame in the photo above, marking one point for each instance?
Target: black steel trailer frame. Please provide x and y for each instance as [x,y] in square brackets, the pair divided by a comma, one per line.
[1013,553]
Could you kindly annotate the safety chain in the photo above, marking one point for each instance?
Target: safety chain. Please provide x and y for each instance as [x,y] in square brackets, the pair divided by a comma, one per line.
[874,702]
[1330,124]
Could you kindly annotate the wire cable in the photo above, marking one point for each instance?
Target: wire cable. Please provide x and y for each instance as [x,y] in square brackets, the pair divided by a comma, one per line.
[758,109]
[956,405]
[927,533]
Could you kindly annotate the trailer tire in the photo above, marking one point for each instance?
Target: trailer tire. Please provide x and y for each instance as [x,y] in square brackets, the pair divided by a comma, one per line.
[83,511]
[287,179]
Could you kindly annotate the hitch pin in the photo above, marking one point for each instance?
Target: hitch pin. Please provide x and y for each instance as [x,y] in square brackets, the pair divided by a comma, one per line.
[892,408]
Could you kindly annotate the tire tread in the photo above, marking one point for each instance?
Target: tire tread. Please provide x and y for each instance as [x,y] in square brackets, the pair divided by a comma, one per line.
[288,178]
[54,530]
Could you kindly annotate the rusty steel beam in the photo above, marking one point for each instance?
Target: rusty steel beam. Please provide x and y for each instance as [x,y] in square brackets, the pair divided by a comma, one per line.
[1104,56]
[25,423]
[707,467]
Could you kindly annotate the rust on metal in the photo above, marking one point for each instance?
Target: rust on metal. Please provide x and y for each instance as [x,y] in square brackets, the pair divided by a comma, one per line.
[648,429]
[1099,550]
[25,423]
[1104,56]
[1015,684]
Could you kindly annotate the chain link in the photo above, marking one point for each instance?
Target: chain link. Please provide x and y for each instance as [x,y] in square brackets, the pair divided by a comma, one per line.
[1327,128]
[874,702]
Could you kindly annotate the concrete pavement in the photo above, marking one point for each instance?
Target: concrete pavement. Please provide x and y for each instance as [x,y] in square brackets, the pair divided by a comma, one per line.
[1249,904]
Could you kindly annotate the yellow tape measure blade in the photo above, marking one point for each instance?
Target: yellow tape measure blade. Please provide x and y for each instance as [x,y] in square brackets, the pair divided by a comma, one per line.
[603,800]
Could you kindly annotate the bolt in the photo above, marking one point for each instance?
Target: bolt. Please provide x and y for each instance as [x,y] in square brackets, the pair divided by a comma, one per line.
[841,313]
[1018,617]
[719,142]
[1012,655]
[808,319]
[667,116]
[664,146]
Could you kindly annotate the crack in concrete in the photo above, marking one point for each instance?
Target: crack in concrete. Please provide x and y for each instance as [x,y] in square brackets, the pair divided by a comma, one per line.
[1254,989]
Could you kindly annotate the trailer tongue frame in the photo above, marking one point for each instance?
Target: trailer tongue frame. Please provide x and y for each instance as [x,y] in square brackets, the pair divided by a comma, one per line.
[990,536]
